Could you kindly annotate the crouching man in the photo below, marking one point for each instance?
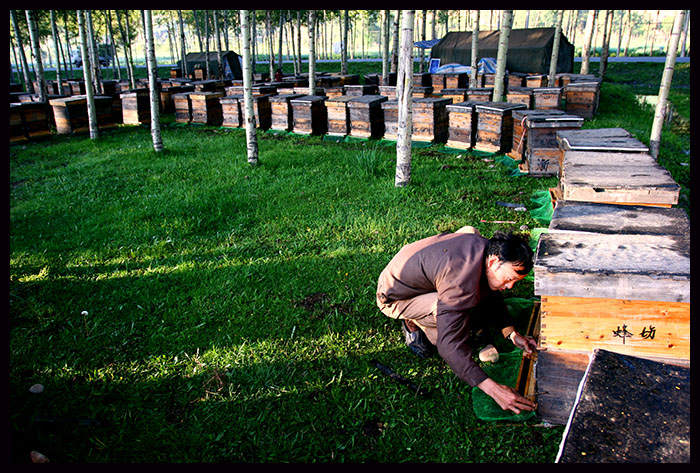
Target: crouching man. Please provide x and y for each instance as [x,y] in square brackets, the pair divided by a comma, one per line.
[445,287]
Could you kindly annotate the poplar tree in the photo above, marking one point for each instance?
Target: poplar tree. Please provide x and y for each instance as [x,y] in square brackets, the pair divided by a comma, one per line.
[404,93]
[87,76]
[251,137]
[502,58]
[152,82]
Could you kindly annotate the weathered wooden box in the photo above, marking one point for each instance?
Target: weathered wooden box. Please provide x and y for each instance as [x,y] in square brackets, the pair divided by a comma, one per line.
[516,79]
[332,92]
[620,178]
[378,79]
[456,95]
[167,104]
[541,148]
[390,111]
[262,110]
[34,119]
[310,115]
[430,119]
[521,95]
[437,81]
[349,79]
[17,129]
[136,107]
[304,90]
[547,98]
[357,90]
[627,293]
[338,115]
[536,80]
[281,110]
[519,147]
[582,98]
[462,119]
[366,116]
[563,79]
[206,108]
[71,113]
[480,94]
[599,139]
[77,87]
[422,92]
[495,126]
[422,79]
[183,107]
[232,111]
[388,91]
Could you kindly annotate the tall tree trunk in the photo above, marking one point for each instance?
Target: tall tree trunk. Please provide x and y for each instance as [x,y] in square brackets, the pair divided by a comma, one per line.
[685,33]
[87,75]
[198,29]
[68,48]
[270,42]
[253,39]
[206,44]
[312,52]
[54,35]
[92,51]
[251,137]
[502,58]
[182,44]
[36,53]
[279,43]
[126,40]
[555,50]
[153,82]
[28,85]
[219,58]
[395,48]
[424,24]
[606,44]
[653,33]
[628,36]
[619,35]
[115,56]
[475,51]
[385,48]
[660,113]
[299,41]
[404,93]
[586,51]
[344,56]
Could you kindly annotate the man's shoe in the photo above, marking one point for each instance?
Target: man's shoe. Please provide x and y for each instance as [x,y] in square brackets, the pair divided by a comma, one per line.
[417,341]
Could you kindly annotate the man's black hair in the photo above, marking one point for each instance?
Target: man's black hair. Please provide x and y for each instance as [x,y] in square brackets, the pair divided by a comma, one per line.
[511,248]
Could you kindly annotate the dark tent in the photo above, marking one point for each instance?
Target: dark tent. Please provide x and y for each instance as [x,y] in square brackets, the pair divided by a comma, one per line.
[231,62]
[529,50]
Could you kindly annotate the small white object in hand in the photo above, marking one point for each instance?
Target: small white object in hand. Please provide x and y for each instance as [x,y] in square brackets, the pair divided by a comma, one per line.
[489,354]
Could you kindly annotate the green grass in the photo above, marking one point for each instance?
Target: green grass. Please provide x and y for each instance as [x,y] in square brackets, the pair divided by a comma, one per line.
[186,307]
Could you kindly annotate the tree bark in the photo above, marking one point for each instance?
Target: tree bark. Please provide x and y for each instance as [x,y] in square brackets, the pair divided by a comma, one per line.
[54,35]
[404,93]
[251,137]
[555,50]
[219,58]
[344,57]
[182,44]
[28,86]
[153,82]
[115,56]
[586,51]
[475,51]
[87,76]
[126,39]
[606,44]
[94,56]
[395,48]
[503,40]
[36,54]
[312,52]
[385,47]
[660,113]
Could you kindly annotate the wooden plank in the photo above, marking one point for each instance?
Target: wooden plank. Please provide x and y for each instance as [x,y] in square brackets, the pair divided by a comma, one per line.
[558,374]
[613,266]
[571,216]
[601,139]
[631,178]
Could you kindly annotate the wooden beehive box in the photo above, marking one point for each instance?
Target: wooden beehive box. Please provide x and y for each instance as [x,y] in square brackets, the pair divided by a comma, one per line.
[480,94]
[338,115]
[456,80]
[582,98]
[304,90]
[167,105]
[136,107]
[489,79]
[627,293]
[516,79]
[390,111]
[183,107]
[105,110]
[564,79]
[17,131]
[422,79]
[519,147]
[262,110]
[542,151]
[281,110]
[462,127]
[206,108]
[349,79]
[366,116]
[620,178]
[536,80]
[547,98]
[422,92]
[231,111]
[599,139]
[77,87]
[35,118]
[521,95]
[495,126]
[357,90]
[310,115]
[456,95]
[437,81]
[388,91]
[70,114]
[338,91]
[430,120]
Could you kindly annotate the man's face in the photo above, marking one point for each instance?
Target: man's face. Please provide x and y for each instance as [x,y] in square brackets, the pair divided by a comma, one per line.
[500,275]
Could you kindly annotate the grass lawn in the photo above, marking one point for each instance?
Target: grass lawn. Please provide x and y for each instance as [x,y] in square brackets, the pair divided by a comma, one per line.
[185,307]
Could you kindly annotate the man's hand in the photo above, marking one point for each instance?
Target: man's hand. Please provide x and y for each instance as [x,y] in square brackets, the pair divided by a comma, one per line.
[527,343]
[506,397]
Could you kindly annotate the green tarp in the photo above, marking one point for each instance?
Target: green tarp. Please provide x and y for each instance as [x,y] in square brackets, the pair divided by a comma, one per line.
[529,50]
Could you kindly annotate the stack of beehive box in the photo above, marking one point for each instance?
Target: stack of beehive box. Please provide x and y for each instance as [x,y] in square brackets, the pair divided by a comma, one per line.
[136,106]
[338,115]
[366,116]
[613,271]
[206,108]
[495,126]
[71,113]
[281,110]
[462,120]
[310,115]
